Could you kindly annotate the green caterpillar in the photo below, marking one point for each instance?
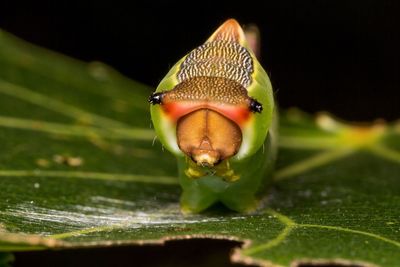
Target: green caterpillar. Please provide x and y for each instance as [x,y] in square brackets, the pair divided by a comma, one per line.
[215,112]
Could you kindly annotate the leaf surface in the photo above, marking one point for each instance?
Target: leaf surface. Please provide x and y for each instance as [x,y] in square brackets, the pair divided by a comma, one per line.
[79,167]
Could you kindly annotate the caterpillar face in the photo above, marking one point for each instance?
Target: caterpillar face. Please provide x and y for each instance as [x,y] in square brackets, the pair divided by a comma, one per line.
[208,112]
[210,107]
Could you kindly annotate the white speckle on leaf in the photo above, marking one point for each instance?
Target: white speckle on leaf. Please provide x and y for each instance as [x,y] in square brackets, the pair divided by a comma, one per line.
[36,185]
[111,212]
[238,218]
[101,199]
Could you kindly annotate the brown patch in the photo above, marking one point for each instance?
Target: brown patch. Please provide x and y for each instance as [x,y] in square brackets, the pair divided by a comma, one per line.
[208,137]
[229,31]
[213,89]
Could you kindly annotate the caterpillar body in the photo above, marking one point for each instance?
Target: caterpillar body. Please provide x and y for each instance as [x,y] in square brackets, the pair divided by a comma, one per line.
[215,112]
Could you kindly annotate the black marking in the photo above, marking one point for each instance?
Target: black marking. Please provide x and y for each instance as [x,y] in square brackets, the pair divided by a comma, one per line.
[255,106]
[156,98]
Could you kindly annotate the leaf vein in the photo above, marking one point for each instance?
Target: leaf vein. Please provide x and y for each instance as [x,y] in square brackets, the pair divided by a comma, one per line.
[50,103]
[90,175]
[385,152]
[342,229]
[289,225]
[76,130]
[311,163]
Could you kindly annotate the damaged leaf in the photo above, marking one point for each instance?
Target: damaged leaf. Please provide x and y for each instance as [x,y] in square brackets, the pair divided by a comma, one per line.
[335,198]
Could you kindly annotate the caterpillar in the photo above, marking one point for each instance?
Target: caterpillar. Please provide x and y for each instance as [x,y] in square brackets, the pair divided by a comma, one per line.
[215,111]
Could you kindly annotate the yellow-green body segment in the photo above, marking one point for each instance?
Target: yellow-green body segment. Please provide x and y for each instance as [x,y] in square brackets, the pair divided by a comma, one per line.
[215,112]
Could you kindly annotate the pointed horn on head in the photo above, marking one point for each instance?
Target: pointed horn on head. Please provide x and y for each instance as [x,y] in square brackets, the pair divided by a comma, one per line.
[229,31]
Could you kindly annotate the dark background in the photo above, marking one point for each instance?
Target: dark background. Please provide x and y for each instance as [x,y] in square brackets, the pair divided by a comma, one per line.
[339,56]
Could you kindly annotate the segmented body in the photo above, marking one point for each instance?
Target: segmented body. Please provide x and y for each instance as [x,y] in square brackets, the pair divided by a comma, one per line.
[215,111]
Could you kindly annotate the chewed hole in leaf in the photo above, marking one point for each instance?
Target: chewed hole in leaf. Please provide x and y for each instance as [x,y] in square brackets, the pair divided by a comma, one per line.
[336,186]
[193,252]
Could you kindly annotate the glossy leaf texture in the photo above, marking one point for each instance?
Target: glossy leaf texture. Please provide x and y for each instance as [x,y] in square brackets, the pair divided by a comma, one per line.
[79,166]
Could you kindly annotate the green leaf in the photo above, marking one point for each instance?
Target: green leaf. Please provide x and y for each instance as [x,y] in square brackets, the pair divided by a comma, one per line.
[79,167]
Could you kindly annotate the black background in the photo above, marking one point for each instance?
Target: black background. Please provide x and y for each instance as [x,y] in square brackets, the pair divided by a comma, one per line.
[339,56]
